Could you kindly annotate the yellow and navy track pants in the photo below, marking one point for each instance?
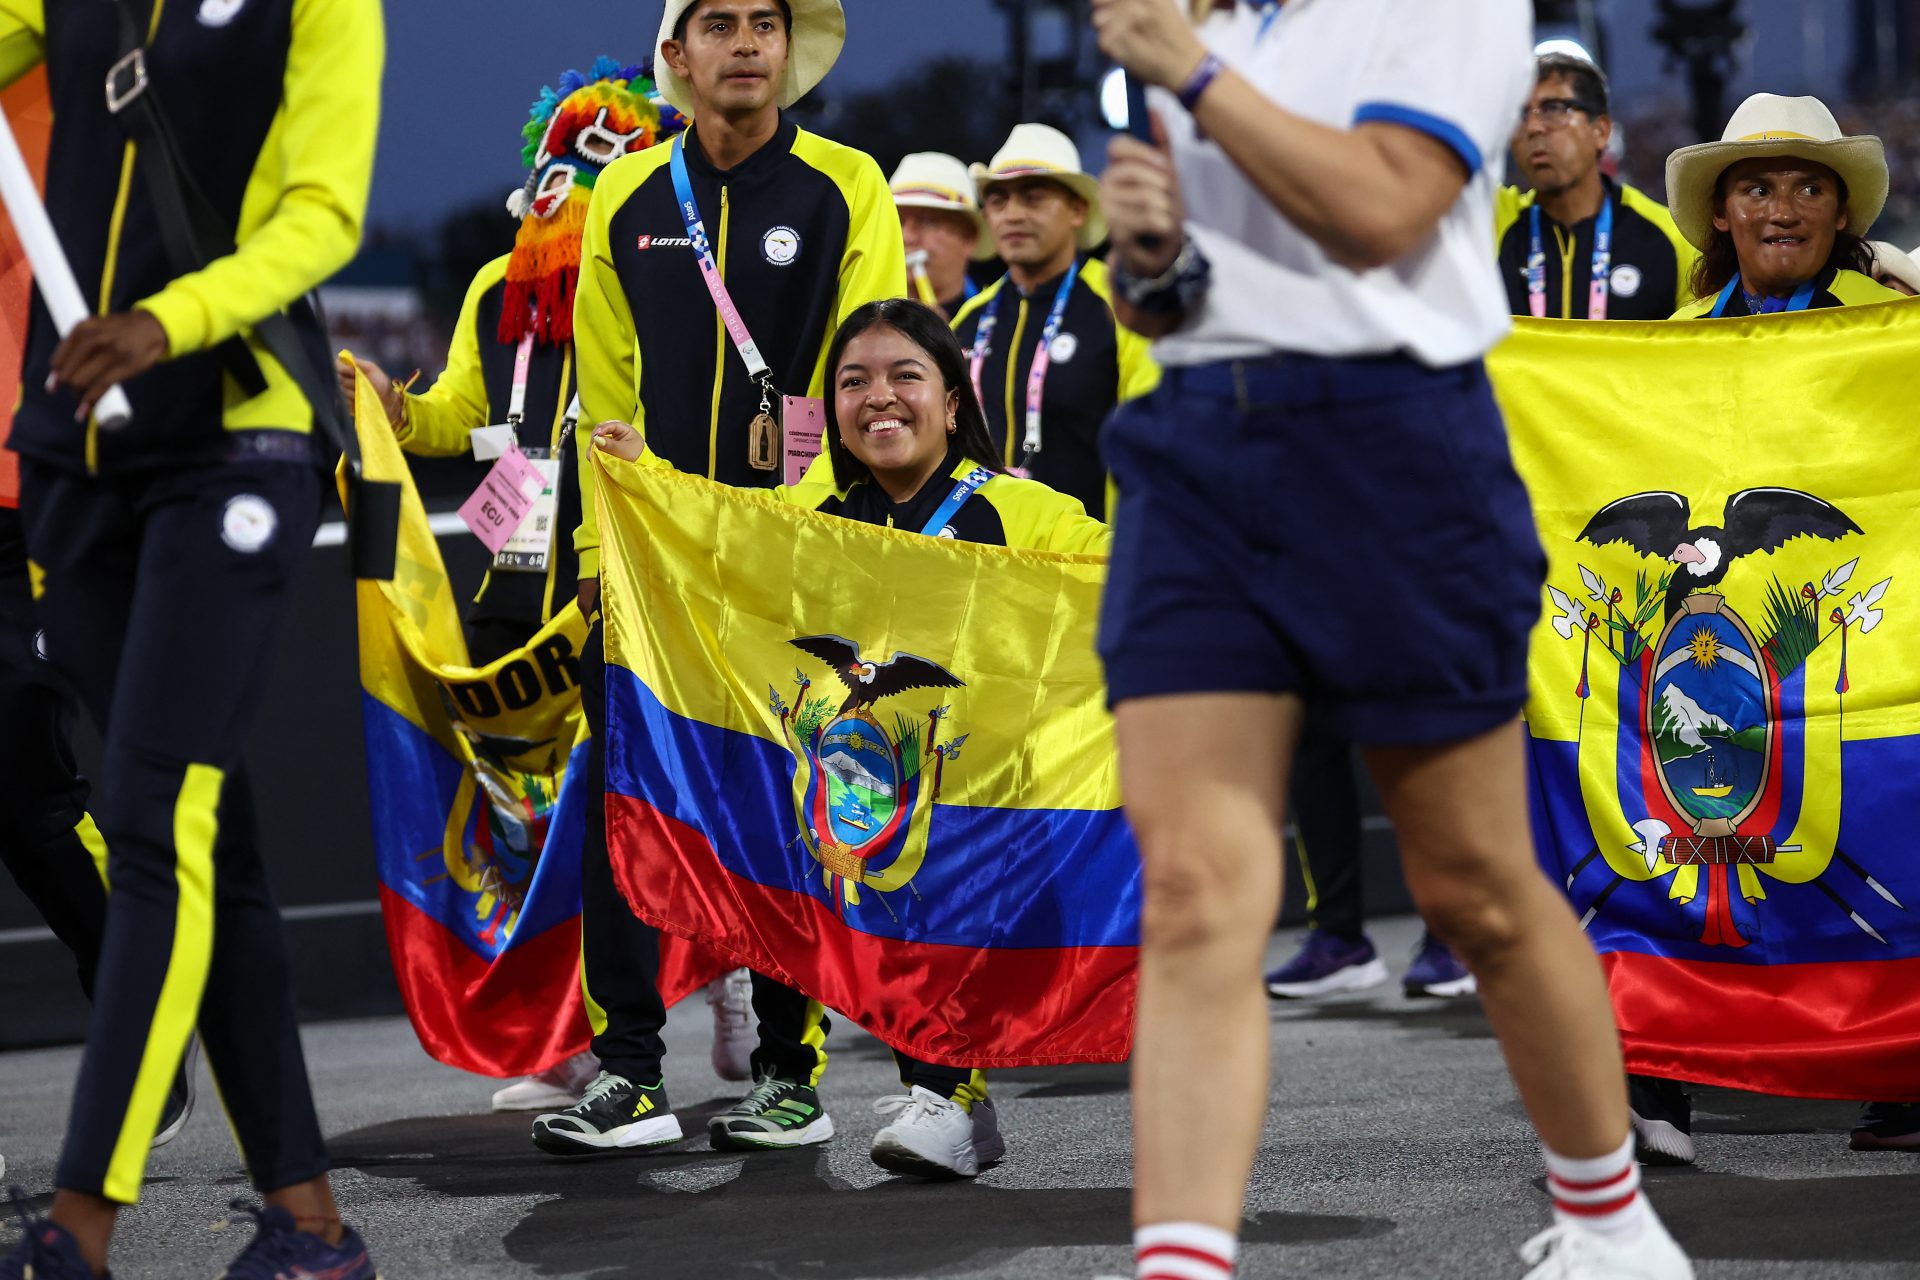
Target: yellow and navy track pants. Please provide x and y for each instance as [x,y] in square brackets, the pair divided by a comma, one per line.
[619,953]
[163,597]
[1326,818]
[44,828]
[793,1045]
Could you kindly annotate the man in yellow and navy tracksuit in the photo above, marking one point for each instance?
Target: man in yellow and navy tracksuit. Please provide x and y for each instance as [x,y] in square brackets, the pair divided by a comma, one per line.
[1577,225]
[802,231]
[1044,213]
[165,552]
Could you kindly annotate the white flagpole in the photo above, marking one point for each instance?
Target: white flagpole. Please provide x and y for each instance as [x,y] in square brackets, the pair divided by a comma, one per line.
[51,273]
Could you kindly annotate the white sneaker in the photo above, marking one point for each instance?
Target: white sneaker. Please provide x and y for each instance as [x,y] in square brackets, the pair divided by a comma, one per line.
[935,1137]
[1565,1251]
[734,1037]
[554,1089]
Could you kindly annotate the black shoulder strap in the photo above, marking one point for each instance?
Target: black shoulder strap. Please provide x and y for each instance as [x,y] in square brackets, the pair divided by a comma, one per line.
[195,234]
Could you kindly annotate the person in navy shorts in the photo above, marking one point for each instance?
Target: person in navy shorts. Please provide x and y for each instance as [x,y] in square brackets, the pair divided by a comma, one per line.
[1318,516]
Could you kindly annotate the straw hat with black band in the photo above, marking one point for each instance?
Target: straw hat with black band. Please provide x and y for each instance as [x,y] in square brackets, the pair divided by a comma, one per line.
[814,40]
[1769,125]
[1042,151]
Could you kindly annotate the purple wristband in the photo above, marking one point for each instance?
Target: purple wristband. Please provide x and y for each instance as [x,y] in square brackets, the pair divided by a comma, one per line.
[1203,76]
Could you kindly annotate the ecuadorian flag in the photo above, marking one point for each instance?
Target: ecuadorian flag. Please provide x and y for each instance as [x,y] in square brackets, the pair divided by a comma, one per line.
[1725,703]
[477,814]
[874,765]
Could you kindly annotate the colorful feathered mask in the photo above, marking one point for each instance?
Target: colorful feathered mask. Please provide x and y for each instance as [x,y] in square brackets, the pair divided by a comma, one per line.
[573,132]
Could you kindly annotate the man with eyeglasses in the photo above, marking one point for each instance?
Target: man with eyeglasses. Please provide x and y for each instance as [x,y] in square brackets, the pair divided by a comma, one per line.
[1580,246]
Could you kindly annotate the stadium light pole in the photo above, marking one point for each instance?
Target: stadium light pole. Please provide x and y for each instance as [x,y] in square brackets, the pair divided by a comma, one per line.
[1701,36]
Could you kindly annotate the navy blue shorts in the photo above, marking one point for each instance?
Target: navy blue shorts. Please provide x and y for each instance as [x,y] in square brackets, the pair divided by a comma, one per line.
[1351,531]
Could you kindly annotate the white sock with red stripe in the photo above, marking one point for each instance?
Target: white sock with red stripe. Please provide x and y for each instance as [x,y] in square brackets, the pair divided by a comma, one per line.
[1183,1251]
[1601,1194]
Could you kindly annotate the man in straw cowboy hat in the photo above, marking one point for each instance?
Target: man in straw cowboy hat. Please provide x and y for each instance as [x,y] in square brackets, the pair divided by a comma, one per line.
[941,224]
[745,213]
[1049,361]
[1778,208]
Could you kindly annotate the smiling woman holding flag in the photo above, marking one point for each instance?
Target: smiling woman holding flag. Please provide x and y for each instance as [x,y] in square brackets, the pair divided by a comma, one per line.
[907,448]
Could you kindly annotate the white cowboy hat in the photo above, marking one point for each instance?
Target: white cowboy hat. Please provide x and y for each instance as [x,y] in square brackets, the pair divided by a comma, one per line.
[1042,151]
[1892,260]
[813,46]
[935,180]
[1769,125]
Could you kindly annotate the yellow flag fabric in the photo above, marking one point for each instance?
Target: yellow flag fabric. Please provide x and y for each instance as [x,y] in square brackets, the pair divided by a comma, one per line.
[1725,692]
[873,764]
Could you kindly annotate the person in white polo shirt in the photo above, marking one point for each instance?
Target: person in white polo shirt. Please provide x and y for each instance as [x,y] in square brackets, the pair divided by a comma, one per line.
[1318,511]
[941,224]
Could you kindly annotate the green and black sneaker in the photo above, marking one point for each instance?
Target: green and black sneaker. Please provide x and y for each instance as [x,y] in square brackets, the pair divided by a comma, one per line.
[614,1114]
[778,1113]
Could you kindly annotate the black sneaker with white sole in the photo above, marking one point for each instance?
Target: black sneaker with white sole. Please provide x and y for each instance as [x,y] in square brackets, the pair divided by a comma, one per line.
[1662,1120]
[775,1115]
[614,1114]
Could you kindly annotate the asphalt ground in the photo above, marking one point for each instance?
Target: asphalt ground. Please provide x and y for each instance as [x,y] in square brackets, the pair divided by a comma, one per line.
[1394,1147]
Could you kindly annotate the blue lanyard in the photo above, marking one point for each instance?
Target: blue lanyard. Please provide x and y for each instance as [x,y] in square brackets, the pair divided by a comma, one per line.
[1801,300]
[967,487]
[1042,356]
[1599,276]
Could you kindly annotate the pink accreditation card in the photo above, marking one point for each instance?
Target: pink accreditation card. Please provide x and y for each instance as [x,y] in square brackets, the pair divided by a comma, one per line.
[502,501]
[803,421]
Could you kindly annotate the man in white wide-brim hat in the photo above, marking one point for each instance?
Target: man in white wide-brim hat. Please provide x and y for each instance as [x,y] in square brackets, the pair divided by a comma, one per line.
[816,32]
[784,233]
[941,222]
[1778,208]
[1049,361]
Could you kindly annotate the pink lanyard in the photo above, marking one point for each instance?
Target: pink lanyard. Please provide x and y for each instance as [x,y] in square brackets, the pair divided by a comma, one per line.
[757,368]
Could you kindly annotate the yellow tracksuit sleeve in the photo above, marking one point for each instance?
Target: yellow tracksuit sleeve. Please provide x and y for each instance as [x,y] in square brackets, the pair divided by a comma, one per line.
[605,353]
[1039,518]
[301,215]
[874,265]
[22,24]
[440,418]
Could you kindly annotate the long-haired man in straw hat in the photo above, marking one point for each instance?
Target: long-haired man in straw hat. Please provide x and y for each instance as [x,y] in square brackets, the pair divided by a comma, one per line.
[941,224]
[1049,361]
[1777,209]
[795,232]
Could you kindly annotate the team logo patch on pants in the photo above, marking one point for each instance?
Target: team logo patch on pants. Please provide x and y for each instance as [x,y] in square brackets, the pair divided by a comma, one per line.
[248,523]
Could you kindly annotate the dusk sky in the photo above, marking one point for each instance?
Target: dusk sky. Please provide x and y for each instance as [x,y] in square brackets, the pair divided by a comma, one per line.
[457,93]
